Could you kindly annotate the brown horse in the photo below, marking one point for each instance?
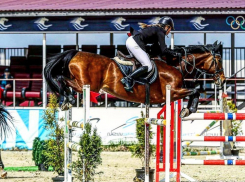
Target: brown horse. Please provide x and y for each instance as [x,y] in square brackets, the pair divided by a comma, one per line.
[75,69]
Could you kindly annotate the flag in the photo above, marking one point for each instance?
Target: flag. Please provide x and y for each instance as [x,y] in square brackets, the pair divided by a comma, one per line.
[93,96]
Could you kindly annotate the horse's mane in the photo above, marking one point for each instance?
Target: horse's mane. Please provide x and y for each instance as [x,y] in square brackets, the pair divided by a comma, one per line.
[193,49]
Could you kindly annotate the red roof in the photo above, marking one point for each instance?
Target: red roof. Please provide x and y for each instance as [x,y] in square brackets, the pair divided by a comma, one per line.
[70,5]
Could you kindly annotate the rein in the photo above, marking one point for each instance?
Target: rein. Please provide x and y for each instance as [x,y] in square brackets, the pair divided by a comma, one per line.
[201,71]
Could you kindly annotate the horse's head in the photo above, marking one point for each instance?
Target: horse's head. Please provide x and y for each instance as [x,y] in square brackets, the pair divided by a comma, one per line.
[80,19]
[119,20]
[41,20]
[77,20]
[4,19]
[207,60]
[155,20]
[201,18]
[212,64]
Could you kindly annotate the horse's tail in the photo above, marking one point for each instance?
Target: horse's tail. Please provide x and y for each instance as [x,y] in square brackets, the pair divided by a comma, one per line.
[6,121]
[57,65]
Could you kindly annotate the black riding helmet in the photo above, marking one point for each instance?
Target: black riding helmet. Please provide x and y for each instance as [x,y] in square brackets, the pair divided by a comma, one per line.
[166,20]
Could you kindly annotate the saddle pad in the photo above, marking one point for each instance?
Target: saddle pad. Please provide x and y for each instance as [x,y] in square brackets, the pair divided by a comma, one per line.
[149,78]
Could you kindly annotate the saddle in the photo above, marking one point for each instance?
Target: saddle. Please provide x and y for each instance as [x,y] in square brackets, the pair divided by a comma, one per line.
[128,64]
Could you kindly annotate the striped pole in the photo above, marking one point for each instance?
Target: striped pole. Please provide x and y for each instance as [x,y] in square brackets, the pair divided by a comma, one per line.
[167,137]
[208,111]
[154,121]
[77,124]
[215,116]
[186,144]
[74,146]
[213,162]
[215,138]
[213,152]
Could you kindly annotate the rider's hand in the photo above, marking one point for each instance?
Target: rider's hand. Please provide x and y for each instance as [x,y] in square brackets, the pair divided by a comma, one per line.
[179,55]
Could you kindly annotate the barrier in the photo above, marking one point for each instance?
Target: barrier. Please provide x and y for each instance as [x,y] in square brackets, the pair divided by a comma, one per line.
[212,162]
[215,138]
[215,116]
[69,145]
[213,152]
[168,134]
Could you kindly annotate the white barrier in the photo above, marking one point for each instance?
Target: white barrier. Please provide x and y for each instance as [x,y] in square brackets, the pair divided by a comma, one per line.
[69,145]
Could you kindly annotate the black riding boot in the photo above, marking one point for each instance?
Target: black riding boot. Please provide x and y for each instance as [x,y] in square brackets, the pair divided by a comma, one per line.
[128,81]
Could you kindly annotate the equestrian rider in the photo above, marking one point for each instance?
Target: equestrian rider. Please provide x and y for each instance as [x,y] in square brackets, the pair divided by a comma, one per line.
[149,34]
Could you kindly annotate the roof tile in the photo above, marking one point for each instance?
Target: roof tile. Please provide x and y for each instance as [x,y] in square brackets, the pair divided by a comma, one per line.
[55,5]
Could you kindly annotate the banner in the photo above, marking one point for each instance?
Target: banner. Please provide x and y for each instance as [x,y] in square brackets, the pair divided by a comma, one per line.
[120,23]
[28,124]
[113,125]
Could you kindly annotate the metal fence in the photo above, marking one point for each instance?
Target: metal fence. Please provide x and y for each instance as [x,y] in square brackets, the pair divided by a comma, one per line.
[6,53]
[239,58]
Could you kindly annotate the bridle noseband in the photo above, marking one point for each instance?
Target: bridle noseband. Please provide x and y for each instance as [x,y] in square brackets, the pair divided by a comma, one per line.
[215,75]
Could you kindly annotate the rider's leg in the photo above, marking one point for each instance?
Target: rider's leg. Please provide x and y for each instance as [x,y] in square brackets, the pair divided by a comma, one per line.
[142,57]
[128,81]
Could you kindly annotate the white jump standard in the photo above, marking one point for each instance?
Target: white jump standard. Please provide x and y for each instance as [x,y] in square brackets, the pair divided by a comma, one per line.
[69,145]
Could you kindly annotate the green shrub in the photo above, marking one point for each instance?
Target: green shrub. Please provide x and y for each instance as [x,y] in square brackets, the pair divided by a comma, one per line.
[55,143]
[39,146]
[138,149]
[90,154]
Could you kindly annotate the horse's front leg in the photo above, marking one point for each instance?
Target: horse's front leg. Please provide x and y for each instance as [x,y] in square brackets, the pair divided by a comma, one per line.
[192,103]
[64,90]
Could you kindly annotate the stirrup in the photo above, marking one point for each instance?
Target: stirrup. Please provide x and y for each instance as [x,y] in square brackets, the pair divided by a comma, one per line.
[129,89]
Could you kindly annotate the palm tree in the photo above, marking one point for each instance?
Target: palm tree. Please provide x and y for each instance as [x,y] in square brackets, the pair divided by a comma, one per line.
[6,121]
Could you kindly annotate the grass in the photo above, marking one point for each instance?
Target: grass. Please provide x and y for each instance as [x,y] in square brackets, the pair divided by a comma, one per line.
[26,168]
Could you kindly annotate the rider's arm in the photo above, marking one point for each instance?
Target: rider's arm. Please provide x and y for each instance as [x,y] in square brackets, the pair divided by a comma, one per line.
[163,46]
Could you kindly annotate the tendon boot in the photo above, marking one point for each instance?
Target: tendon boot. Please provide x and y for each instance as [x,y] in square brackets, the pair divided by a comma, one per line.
[69,96]
[129,80]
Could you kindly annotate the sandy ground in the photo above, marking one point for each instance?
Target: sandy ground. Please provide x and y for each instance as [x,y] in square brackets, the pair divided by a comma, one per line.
[119,167]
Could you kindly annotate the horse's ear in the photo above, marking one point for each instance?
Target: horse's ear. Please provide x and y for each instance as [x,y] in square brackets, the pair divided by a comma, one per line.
[217,47]
[215,43]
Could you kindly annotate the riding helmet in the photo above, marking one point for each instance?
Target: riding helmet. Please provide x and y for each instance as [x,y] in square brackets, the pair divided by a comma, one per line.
[166,20]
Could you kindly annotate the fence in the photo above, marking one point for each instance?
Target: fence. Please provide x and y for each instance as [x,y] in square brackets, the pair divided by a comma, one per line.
[6,53]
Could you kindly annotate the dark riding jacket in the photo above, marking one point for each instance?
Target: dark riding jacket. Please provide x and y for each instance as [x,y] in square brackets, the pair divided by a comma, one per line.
[152,35]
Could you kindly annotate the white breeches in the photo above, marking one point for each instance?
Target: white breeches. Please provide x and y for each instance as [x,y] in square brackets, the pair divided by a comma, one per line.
[135,50]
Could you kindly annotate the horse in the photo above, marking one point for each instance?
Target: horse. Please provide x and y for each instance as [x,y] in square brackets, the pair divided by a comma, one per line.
[75,69]
[6,122]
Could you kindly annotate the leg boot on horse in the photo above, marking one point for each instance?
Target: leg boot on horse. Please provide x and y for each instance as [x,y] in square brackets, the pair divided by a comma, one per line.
[192,104]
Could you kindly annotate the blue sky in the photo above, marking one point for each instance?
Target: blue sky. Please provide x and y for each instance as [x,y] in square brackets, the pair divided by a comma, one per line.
[23,40]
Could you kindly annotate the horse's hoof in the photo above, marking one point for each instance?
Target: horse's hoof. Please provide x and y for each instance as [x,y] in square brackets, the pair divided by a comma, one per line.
[65,106]
[4,174]
[184,113]
[71,99]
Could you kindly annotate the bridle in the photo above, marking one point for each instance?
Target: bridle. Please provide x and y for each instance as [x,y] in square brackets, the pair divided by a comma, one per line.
[201,72]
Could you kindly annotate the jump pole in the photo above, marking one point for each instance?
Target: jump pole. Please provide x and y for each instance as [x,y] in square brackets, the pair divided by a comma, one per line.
[215,138]
[68,144]
[167,136]
[212,162]
[215,116]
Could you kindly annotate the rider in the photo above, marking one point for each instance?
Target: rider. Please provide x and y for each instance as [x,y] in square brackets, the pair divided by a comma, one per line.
[149,34]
